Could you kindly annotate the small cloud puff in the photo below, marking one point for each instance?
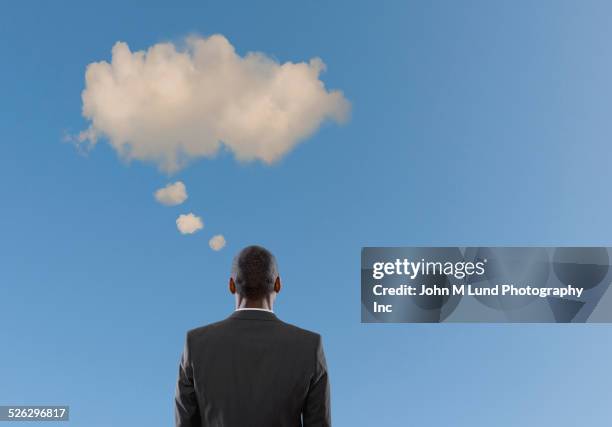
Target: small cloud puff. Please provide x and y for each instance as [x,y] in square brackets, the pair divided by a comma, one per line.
[217,242]
[172,194]
[189,224]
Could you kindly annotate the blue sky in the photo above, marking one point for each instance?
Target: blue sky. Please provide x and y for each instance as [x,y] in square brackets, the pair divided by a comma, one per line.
[473,123]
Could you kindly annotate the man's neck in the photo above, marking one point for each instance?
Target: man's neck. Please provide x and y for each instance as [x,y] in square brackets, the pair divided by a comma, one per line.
[246,304]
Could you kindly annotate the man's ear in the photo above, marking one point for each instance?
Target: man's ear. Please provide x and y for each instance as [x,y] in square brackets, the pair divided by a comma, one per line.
[232,286]
[277,284]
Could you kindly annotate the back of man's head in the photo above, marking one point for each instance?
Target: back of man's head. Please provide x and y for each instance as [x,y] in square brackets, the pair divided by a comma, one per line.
[254,271]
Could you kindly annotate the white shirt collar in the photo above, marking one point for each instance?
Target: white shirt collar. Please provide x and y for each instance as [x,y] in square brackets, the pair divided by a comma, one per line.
[256,309]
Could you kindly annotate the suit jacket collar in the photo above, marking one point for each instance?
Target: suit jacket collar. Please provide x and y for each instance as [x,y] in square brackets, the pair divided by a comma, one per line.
[253,315]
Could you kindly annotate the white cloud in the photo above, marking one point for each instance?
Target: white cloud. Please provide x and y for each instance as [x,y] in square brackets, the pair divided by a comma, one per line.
[172,194]
[170,105]
[217,242]
[189,224]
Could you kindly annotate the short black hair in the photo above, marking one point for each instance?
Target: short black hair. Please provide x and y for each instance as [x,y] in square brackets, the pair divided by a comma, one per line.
[254,271]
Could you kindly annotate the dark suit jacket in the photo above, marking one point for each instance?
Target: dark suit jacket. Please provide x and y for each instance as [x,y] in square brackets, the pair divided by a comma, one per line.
[252,370]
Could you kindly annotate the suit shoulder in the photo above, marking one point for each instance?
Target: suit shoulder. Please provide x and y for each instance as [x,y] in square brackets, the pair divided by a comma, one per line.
[304,333]
[203,330]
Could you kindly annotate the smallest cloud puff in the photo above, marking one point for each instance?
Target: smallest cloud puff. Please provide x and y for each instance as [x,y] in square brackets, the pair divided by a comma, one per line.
[172,194]
[217,242]
[189,224]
